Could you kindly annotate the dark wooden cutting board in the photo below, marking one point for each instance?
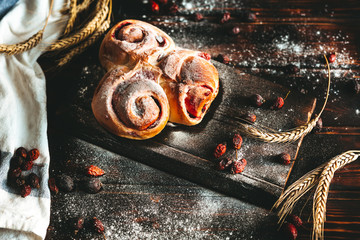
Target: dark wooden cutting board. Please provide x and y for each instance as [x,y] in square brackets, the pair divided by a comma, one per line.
[187,151]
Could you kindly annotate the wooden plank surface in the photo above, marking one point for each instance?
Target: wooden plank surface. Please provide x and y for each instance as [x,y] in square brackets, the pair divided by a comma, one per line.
[285,32]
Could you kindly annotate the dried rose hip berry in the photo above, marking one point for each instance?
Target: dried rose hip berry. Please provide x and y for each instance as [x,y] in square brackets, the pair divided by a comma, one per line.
[13,174]
[220,150]
[225,163]
[223,58]
[238,166]
[237,141]
[198,17]
[22,152]
[234,31]
[257,100]
[25,190]
[33,180]
[154,7]
[52,185]
[204,55]
[65,183]
[285,158]
[27,165]
[94,171]
[78,224]
[98,226]
[92,185]
[17,161]
[33,154]
[289,231]
[278,103]
[296,220]
[332,58]
[249,118]
[225,18]
[19,182]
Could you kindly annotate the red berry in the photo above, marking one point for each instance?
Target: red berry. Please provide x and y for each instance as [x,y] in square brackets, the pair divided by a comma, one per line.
[22,152]
[25,190]
[33,180]
[34,154]
[237,141]
[238,166]
[198,17]
[98,225]
[225,18]
[27,165]
[223,58]
[78,224]
[204,55]
[296,220]
[52,185]
[332,58]
[225,163]
[94,171]
[257,100]
[235,30]
[279,103]
[154,7]
[289,231]
[249,118]
[285,158]
[13,174]
[220,150]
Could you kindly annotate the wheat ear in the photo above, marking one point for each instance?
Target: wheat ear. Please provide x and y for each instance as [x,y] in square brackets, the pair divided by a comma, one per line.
[84,45]
[322,190]
[295,191]
[286,136]
[100,16]
[28,44]
[72,17]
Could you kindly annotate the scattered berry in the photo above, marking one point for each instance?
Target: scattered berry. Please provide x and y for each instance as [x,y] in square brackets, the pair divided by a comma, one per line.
[17,161]
[33,180]
[278,103]
[33,154]
[238,166]
[249,118]
[78,224]
[289,231]
[225,163]
[204,55]
[225,18]
[52,185]
[27,165]
[98,225]
[94,171]
[332,58]
[92,185]
[285,158]
[296,220]
[257,100]
[22,152]
[223,58]
[25,190]
[19,182]
[65,183]
[154,7]
[235,30]
[220,150]
[198,17]
[237,141]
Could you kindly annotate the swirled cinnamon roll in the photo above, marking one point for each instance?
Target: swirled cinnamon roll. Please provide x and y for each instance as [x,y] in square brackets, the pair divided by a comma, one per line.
[191,83]
[131,103]
[130,41]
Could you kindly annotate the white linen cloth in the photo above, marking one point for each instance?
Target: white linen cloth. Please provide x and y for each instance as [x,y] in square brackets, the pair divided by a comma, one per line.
[23,117]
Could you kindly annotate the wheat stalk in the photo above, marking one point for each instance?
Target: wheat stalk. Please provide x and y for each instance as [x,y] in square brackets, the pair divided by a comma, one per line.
[286,136]
[28,44]
[322,190]
[72,17]
[83,6]
[100,16]
[295,191]
[79,49]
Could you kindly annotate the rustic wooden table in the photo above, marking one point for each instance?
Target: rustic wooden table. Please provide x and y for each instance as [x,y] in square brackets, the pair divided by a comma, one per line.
[149,195]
